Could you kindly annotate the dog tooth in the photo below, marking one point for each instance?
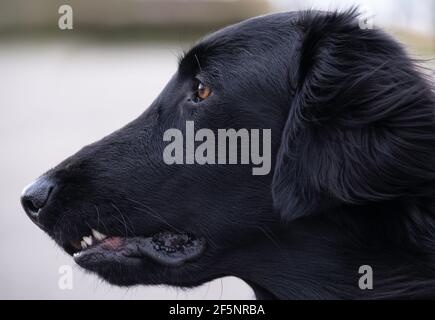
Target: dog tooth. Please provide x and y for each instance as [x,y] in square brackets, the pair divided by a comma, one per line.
[88,240]
[83,244]
[98,235]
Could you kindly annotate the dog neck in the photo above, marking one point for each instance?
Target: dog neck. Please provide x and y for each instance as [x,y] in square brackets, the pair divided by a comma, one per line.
[321,258]
[293,264]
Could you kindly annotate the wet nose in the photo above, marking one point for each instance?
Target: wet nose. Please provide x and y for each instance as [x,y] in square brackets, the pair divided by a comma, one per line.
[36,196]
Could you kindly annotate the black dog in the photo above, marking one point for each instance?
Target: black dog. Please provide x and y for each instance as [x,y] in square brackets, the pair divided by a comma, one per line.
[352,180]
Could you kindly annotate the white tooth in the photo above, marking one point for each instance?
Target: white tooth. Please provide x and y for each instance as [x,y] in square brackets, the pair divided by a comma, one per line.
[98,235]
[83,244]
[77,254]
[88,240]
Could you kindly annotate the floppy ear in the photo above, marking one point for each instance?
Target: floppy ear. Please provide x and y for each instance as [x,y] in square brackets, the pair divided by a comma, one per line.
[361,125]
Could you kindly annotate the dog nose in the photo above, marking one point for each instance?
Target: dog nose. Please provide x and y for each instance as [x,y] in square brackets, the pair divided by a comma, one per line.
[36,195]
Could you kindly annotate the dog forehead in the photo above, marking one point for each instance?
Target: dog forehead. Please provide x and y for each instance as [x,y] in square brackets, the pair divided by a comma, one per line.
[257,26]
[248,37]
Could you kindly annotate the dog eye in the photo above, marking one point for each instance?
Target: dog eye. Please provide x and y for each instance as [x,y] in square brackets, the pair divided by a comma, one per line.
[202,92]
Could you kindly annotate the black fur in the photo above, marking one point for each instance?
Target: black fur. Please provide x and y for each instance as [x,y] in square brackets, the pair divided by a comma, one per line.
[353,138]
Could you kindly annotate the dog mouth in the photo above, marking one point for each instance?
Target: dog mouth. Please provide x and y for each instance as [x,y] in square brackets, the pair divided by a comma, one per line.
[165,248]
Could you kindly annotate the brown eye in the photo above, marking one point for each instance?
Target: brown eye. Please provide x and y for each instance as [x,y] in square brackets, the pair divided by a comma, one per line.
[202,92]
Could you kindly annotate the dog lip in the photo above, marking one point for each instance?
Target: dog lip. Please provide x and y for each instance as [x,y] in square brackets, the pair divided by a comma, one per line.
[165,248]
[172,250]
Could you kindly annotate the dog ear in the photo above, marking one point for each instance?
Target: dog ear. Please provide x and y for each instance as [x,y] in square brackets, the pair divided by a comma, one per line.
[361,125]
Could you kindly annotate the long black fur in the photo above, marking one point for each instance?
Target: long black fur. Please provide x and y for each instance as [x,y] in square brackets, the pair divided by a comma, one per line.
[353,179]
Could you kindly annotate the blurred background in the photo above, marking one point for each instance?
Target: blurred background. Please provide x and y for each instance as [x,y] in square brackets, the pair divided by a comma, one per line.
[62,89]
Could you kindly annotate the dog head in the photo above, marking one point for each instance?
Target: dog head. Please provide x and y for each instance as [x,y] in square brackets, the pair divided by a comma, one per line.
[351,122]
